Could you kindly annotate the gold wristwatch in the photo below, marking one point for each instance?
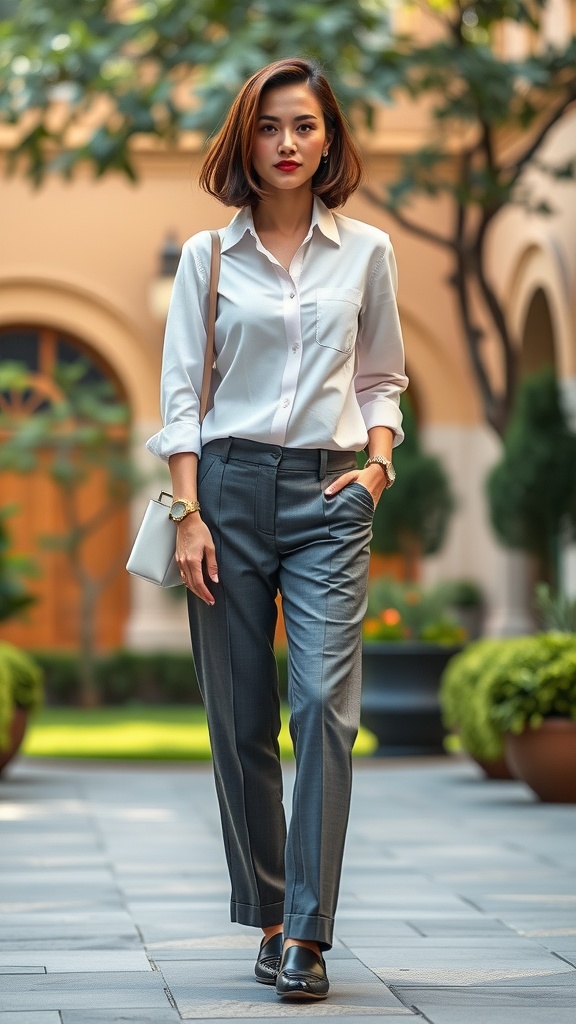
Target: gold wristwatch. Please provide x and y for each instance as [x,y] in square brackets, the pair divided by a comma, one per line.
[389,471]
[180,508]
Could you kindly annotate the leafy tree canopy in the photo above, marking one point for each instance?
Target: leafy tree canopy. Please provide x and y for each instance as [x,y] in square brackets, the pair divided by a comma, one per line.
[158,67]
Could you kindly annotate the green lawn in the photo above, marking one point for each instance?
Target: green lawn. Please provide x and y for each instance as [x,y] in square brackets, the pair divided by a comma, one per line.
[166,732]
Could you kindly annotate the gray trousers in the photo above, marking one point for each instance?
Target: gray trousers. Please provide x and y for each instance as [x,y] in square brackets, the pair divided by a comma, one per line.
[274,530]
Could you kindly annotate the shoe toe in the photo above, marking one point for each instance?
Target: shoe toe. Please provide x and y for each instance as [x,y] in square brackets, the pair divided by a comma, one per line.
[302,975]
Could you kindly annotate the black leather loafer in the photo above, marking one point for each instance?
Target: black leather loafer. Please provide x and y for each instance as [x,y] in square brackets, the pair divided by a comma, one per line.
[268,962]
[302,975]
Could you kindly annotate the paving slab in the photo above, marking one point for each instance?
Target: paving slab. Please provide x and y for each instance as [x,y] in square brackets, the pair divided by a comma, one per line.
[209,991]
[33,1017]
[467,1000]
[111,990]
[458,901]
[76,961]
[143,1015]
[495,1015]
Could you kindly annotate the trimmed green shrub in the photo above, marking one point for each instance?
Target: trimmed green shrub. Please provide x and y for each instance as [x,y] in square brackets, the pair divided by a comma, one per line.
[532,490]
[155,677]
[413,516]
[463,698]
[6,705]
[539,682]
[500,685]
[20,685]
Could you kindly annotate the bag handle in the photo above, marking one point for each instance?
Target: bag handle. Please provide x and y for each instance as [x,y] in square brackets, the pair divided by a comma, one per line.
[210,331]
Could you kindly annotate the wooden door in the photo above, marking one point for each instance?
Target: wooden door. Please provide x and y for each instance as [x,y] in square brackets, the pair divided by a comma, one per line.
[53,622]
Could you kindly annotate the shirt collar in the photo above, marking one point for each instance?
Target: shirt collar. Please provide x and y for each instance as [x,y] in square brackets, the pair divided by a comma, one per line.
[322,218]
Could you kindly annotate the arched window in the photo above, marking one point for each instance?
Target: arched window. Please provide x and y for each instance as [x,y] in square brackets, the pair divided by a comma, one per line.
[40,351]
[43,503]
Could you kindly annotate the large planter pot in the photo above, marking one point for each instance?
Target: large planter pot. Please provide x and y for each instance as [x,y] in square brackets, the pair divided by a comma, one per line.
[400,683]
[495,769]
[545,758]
[17,730]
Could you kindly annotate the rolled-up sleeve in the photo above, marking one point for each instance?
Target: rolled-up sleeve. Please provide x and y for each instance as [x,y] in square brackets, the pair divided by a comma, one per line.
[380,345]
[183,355]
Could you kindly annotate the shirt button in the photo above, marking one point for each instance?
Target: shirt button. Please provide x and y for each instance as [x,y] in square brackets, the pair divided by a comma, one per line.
[286,403]
[292,295]
[295,346]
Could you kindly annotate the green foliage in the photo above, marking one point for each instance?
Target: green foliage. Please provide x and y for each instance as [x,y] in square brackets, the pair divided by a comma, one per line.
[6,705]
[21,685]
[558,611]
[405,611]
[413,515]
[81,429]
[532,491]
[123,677]
[14,597]
[462,593]
[500,685]
[135,55]
[470,86]
[539,682]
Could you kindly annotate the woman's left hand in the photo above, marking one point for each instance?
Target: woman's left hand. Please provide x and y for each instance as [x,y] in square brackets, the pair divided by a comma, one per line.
[373,479]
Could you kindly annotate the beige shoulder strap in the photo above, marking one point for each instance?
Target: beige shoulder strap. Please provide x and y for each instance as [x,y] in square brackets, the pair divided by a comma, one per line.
[212,301]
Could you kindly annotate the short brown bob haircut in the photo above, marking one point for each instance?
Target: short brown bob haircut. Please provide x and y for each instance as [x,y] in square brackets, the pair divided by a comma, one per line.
[228,173]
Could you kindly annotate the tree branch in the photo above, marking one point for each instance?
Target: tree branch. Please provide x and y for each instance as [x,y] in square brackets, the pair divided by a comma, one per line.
[518,165]
[415,229]
[496,311]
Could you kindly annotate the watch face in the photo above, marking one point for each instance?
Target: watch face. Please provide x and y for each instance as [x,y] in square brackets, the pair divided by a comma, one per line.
[391,472]
[178,509]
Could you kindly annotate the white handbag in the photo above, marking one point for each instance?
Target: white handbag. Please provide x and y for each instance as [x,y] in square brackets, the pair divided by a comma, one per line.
[152,555]
[153,551]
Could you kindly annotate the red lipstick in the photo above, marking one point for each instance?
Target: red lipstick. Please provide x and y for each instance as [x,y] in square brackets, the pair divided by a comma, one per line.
[287,165]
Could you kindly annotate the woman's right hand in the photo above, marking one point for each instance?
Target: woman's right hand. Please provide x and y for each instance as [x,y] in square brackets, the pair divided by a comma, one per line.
[194,550]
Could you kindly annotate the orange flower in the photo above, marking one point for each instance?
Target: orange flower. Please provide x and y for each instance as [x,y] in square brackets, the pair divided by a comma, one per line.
[390,616]
[371,627]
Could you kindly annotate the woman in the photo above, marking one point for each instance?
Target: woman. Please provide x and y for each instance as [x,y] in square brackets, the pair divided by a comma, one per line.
[309,369]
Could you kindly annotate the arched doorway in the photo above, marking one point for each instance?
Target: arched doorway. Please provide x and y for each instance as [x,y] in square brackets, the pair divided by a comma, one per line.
[42,518]
[538,350]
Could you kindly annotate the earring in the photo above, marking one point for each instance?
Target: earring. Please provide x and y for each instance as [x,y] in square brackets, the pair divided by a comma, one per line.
[325,156]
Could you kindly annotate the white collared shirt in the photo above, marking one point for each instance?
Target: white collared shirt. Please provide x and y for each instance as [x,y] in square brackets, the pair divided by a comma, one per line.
[306,358]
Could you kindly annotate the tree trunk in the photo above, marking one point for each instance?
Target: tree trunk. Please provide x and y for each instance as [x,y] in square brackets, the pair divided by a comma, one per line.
[88,690]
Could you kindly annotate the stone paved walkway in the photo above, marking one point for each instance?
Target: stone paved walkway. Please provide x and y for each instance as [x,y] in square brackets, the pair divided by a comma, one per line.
[458,901]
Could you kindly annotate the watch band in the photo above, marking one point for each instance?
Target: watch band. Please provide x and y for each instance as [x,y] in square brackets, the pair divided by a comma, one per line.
[381,460]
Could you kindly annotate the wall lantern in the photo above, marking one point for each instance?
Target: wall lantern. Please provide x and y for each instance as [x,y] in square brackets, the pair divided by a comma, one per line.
[160,288]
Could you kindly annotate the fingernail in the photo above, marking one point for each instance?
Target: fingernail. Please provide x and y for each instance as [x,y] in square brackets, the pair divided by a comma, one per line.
[329,490]
[215,577]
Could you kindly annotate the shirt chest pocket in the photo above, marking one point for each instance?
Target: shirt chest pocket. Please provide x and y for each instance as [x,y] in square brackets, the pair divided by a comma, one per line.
[337,312]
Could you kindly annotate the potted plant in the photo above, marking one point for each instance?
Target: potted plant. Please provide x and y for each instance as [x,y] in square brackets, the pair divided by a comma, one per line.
[463,699]
[21,692]
[517,696]
[409,636]
[20,677]
[533,705]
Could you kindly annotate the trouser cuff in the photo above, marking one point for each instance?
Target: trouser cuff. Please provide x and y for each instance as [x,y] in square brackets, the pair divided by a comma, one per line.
[312,929]
[257,917]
